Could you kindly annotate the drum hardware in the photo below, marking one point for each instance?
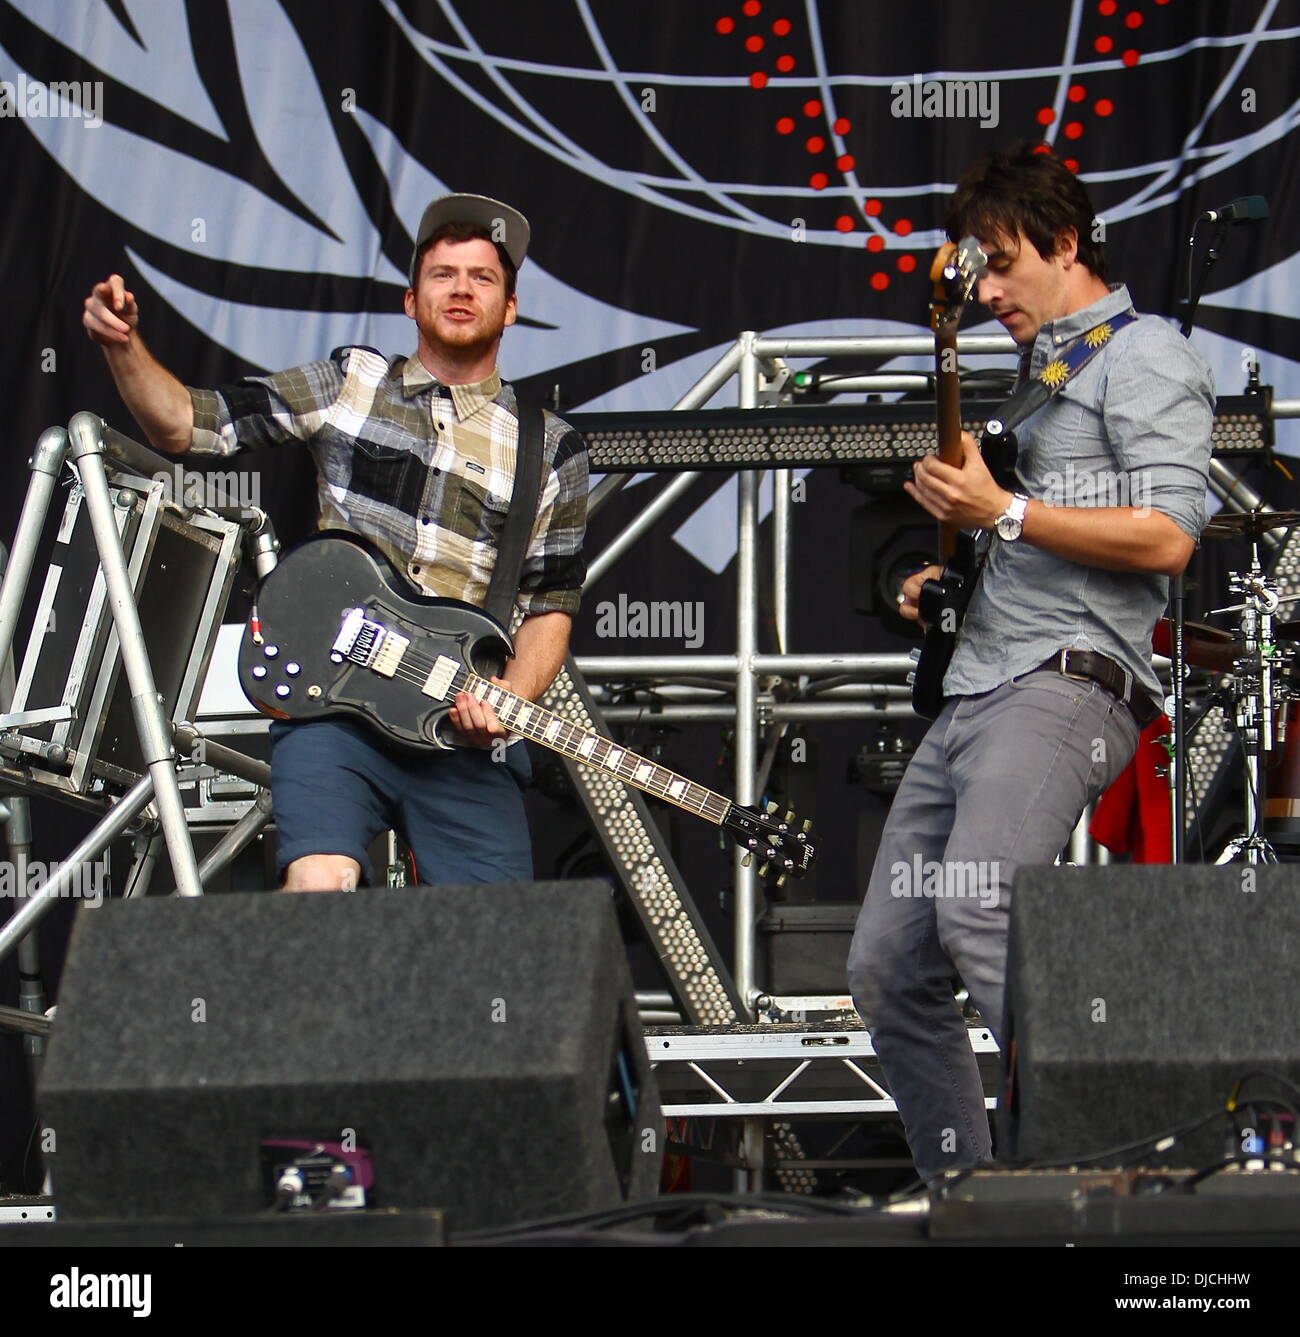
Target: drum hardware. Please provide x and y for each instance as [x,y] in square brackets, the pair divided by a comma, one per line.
[1260,676]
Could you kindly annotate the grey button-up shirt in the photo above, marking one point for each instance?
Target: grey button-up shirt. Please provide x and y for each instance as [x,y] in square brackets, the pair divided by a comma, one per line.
[1132,428]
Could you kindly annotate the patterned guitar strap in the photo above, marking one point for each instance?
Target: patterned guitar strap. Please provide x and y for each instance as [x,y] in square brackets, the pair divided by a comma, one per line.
[998,446]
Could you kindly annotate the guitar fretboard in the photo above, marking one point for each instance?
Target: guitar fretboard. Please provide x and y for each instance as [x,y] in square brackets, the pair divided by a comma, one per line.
[543,726]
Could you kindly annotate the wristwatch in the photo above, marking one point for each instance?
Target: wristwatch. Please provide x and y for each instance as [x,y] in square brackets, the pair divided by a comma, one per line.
[1012,520]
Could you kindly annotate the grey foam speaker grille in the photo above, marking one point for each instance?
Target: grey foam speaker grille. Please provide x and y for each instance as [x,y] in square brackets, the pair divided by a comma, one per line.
[1138,996]
[480,1041]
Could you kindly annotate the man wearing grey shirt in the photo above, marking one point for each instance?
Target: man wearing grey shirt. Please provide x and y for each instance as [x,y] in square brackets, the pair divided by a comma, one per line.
[1051,678]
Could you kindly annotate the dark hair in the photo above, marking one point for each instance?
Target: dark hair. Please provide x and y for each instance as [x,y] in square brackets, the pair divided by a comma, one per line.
[1025,187]
[469,232]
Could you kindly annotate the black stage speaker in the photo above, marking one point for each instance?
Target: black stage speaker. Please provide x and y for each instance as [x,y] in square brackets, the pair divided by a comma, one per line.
[1137,996]
[477,1046]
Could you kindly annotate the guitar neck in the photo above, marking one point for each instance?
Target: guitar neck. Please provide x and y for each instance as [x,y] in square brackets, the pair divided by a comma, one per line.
[583,745]
[948,414]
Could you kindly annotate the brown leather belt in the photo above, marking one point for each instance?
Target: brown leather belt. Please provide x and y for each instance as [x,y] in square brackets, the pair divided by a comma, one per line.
[1114,677]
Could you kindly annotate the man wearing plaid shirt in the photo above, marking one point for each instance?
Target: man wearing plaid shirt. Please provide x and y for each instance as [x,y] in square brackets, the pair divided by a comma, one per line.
[417,454]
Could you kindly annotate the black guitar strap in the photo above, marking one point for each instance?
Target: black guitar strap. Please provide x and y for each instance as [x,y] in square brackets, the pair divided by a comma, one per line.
[520,518]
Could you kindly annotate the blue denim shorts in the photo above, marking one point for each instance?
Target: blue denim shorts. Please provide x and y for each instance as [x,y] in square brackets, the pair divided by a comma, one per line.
[336,785]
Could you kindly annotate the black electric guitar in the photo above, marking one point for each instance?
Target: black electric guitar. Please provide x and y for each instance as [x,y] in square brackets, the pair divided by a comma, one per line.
[942,602]
[334,633]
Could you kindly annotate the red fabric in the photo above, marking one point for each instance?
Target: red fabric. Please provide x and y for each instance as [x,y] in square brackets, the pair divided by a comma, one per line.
[1133,815]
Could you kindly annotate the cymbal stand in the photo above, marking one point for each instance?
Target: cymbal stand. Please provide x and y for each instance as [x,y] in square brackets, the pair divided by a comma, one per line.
[1177,718]
[1253,697]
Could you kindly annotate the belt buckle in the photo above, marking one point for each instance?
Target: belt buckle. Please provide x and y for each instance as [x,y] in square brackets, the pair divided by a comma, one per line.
[1065,672]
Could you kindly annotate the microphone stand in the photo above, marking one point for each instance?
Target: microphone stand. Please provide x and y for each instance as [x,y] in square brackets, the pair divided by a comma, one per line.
[1197,285]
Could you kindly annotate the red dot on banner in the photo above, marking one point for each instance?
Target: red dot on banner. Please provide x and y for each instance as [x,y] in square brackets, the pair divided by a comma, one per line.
[1045,116]
[1077,93]
[781,27]
[754,44]
[846,162]
[1107,8]
[1042,148]
[1070,163]
[785,64]
[758,79]
[785,126]
[844,223]
[1103,106]
[724,26]
[813,108]
[875,242]
[751,7]
[1073,129]
[906,263]
[1130,58]
[815,144]
[818,180]
[1133,19]
[872,207]
[880,282]
[842,125]
[903,227]
[1103,45]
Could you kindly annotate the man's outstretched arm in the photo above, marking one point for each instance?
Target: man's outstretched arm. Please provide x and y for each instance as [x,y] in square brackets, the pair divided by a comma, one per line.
[155,398]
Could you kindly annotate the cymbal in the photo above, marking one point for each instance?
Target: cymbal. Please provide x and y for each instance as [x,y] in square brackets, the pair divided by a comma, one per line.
[1248,524]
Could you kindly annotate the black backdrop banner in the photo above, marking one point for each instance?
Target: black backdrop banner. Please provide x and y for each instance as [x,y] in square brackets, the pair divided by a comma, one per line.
[692,169]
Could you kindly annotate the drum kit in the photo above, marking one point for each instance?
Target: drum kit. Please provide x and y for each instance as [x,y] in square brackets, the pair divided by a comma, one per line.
[1257,683]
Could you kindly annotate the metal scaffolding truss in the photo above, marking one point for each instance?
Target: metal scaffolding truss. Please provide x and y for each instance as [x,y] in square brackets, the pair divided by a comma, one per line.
[783,1071]
[878,689]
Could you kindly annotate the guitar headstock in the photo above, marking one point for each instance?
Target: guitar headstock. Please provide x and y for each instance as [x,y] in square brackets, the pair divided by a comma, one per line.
[783,843]
[956,269]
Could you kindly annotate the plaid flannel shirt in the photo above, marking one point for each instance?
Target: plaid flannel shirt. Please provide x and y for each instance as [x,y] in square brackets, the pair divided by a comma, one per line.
[423,470]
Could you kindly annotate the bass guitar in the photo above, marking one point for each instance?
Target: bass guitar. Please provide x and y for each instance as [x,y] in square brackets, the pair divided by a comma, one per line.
[942,602]
[333,632]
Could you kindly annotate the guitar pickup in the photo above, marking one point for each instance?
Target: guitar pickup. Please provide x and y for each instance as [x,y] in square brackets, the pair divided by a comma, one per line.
[368,643]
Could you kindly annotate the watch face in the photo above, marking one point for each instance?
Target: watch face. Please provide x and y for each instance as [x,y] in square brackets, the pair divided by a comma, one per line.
[1008,527]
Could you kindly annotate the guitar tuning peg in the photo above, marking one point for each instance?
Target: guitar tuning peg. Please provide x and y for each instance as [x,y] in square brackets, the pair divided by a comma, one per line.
[789,816]
[769,807]
[747,860]
[762,871]
[807,826]
[780,882]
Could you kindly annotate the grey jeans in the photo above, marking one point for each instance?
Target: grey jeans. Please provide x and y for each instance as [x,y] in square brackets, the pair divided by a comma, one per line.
[999,780]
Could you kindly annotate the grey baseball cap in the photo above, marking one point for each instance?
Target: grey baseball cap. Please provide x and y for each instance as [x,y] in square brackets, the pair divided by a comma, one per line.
[507,225]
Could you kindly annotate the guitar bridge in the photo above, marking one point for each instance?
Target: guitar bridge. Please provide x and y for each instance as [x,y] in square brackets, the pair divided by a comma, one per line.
[369,643]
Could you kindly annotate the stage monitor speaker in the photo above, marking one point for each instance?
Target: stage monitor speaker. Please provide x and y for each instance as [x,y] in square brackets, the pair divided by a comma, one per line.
[477,1048]
[1137,997]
